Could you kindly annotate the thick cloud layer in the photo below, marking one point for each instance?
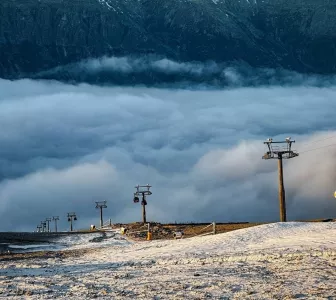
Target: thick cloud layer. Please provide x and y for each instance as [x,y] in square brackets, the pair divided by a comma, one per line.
[62,147]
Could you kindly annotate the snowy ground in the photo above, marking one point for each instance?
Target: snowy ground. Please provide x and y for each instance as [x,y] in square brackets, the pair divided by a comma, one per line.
[274,261]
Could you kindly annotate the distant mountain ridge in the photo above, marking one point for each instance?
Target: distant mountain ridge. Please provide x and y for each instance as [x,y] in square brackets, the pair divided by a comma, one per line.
[38,35]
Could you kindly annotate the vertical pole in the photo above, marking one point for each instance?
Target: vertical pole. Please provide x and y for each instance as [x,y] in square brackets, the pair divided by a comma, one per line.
[143,209]
[70,223]
[282,200]
[214,227]
[101,217]
[55,225]
[110,222]
[48,226]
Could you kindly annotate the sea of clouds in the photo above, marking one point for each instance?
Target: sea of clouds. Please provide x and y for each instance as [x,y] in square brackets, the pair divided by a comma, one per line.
[64,146]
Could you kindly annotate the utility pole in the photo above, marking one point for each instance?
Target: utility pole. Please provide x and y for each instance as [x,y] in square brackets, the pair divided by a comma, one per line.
[101,205]
[144,191]
[48,221]
[55,219]
[280,152]
[71,216]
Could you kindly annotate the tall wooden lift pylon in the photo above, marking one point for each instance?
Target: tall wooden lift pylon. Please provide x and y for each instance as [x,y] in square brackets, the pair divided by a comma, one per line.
[279,152]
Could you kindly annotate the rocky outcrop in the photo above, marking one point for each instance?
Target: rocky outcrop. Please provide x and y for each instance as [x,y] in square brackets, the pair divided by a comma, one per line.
[37,35]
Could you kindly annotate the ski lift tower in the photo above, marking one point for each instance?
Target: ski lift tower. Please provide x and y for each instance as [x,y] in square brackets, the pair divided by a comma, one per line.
[101,205]
[55,218]
[38,228]
[43,225]
[71,216]
[282,149]
[143,190]
[48,221]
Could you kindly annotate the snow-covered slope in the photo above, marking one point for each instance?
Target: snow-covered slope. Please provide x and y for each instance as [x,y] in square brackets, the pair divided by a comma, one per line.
[268,239]
[275,261]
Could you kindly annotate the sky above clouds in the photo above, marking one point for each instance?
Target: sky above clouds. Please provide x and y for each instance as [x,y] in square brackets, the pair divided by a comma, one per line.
[64,146]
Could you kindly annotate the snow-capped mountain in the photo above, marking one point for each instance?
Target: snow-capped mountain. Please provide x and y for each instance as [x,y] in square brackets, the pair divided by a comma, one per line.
[38,35]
